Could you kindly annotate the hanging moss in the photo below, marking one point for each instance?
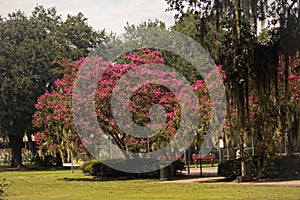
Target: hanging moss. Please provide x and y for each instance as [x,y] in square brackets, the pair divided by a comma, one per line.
[251,66]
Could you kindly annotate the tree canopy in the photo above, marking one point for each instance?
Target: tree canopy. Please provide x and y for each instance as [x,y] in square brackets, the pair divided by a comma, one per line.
[258,64]
[29,44]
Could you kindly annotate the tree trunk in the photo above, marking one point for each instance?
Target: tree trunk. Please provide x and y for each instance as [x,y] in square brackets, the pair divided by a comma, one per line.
[293,133]
[16,145]
[237,6]
[59,160]
[246,168]
[290,146]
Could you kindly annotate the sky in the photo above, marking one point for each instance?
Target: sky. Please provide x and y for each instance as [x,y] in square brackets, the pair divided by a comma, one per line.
[109,14]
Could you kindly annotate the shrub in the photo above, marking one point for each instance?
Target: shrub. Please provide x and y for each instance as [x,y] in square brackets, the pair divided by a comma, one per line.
[90,167]
[275,167]
[97,168]
[287,167]
[47,161]
[267,170]
[178,165]
[230,169]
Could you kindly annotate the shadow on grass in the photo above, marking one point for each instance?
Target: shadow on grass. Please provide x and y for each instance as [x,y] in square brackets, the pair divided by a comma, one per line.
[276,179]
[104,179]
[124,178]
[31,168]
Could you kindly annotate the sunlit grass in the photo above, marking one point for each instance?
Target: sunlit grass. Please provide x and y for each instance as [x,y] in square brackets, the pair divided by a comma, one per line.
[63,184]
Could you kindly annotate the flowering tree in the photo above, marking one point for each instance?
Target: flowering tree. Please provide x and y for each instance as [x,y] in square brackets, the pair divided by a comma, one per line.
[54,111]
[53,117]
[141,102]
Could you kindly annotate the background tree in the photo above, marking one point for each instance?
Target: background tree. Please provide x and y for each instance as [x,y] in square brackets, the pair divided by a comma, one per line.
[28,47]
[229,30]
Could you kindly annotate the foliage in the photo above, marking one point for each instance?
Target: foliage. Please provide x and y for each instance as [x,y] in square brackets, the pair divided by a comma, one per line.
[178,165]
[279,167]
[54,119]
[140,102]
[287,167]
[275,167]
[91,168]
[97,168]
[188,71]
[54,114]
[45,161]
[230,169]
[258,96]
[28,46]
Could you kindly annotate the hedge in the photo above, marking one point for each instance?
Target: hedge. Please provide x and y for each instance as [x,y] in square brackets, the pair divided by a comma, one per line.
[97,168]
[276,167]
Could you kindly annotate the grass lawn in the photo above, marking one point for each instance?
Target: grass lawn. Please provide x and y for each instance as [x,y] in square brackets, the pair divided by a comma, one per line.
[62,184]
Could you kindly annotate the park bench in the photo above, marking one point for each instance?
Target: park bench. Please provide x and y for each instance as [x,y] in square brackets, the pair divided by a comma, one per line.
[204,157]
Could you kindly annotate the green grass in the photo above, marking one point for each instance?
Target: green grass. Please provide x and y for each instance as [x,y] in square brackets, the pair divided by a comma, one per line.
[62,184]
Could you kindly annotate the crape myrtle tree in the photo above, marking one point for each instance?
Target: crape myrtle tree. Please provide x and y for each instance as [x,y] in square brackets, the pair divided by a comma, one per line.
[230,31]
[182,66]
[54,119]
[187,70]
[28,46]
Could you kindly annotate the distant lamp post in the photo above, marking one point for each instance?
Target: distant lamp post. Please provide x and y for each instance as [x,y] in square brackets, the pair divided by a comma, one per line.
[221,146]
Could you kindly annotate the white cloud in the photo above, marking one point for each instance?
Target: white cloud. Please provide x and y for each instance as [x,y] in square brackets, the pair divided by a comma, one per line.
[109,14]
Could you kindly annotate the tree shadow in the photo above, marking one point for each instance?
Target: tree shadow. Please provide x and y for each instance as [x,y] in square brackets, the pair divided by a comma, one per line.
[104,179]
